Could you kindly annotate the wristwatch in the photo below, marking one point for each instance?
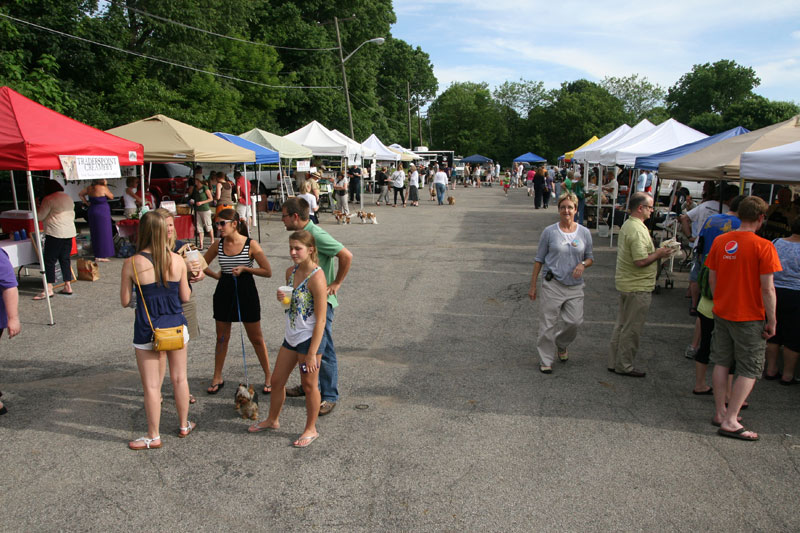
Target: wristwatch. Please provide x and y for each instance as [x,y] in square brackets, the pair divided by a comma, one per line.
[583,263]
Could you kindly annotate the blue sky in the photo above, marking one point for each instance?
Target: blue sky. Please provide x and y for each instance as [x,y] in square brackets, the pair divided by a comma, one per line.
[564,40]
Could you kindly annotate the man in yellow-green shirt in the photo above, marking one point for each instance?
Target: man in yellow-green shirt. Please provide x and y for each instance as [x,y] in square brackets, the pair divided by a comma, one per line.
[635,279]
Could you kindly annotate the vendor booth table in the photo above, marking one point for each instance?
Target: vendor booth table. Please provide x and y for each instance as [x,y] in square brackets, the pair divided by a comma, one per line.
[184,228]
[20,252]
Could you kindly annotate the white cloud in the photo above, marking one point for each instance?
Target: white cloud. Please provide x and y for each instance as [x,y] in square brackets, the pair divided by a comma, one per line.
[796,34]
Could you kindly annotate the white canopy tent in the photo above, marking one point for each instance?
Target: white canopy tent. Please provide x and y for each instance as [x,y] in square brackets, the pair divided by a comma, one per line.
[382,152]
[667,135]
[582,154]
[778,164]
[321,141]
[595,153]
[355,146]
[405,151]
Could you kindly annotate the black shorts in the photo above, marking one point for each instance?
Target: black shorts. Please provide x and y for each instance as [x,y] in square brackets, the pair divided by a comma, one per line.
[787,314]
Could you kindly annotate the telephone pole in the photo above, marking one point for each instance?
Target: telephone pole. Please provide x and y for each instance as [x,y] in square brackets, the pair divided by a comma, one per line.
[408,103]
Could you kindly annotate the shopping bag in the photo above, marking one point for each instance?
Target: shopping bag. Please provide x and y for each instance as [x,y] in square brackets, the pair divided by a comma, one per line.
[88,270]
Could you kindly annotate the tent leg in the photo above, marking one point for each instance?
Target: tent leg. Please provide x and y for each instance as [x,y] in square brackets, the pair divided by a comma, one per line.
[14,190]
[39,244]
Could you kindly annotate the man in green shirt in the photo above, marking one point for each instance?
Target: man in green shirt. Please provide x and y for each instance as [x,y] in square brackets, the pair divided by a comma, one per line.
[635,280]
[295,217]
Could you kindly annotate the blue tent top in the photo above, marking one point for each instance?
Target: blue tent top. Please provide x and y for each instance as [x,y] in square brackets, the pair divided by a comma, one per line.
[476,159]
[530,157]
[263,155]
[651,162]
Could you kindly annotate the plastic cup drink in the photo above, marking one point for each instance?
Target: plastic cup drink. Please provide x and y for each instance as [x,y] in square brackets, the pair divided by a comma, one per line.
[192,256]
[287,295]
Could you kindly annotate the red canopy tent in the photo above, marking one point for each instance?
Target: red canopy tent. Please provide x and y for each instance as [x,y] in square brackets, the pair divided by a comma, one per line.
[33,136]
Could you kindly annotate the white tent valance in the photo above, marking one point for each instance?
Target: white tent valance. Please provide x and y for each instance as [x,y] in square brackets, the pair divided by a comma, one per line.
[667,135]
[382,152]
[582,154]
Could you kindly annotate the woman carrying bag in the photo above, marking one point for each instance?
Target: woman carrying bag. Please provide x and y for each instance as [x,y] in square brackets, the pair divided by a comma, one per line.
[158,278]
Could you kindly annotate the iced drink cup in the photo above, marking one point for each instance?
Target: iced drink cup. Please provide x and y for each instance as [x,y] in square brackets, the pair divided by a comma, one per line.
[287,295]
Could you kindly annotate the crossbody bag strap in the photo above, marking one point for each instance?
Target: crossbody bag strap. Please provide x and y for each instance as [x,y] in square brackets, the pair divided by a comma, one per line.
[135,275]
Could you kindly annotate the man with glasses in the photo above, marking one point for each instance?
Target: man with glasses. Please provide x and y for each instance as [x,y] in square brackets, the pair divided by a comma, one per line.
[295,217]
[635,277]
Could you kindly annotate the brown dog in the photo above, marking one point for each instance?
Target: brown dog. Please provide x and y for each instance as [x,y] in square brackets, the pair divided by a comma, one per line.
[451,200]
[246,402]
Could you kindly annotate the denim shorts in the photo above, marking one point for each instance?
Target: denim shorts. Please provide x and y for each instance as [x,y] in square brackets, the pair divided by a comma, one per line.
[304,346]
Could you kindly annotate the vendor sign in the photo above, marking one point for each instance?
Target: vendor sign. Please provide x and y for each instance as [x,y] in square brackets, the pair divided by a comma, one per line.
[90,167]
[304,166]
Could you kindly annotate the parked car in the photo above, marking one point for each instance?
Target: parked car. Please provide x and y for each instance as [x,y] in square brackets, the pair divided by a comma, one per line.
[168,181]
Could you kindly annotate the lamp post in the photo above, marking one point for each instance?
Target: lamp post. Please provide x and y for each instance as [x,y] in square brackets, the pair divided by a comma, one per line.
[342,59]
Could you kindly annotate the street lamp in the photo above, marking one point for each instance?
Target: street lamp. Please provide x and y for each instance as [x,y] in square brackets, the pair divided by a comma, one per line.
[342,59]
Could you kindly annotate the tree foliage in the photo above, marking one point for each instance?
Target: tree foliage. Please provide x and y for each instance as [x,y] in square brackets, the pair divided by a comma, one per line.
[521,96]
[637,94]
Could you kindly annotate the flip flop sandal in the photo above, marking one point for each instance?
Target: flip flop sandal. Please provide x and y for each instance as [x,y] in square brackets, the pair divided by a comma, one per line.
[148,443]
[267,389]
[216,387]
[255,428]
[42,297]
[65,293]
[738,434]
[192,399]
[305,442]
[185,432]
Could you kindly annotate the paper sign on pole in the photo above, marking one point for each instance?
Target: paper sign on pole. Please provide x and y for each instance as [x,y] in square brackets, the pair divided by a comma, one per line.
[90,167]
[303,166]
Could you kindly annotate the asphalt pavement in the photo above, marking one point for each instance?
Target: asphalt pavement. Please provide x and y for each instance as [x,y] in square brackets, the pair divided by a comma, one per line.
[444,421]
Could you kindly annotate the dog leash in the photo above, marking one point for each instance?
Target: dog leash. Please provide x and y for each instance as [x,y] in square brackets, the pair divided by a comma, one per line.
[241,330]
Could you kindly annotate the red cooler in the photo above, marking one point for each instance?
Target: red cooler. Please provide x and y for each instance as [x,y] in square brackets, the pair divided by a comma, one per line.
[16,219]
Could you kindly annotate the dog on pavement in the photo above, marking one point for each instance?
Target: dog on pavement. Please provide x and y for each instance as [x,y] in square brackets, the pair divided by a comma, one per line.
[246,402]
[367,217]
[451,200]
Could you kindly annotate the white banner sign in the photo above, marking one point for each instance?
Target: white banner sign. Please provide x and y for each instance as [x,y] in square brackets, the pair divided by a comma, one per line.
[303,166]
[90,167]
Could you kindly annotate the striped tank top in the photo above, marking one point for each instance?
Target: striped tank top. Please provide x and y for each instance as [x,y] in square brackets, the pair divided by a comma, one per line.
[228,262]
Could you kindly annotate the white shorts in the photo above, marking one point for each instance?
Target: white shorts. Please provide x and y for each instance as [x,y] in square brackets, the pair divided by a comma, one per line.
[149,346]
[204,221]
[243,210]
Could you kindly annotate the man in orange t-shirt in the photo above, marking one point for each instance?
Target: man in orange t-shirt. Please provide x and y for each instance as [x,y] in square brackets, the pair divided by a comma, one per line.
[741,265]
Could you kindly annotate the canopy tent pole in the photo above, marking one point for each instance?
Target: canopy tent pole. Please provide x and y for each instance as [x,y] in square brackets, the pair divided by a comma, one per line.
[39,244]
[254,206]
[14,190]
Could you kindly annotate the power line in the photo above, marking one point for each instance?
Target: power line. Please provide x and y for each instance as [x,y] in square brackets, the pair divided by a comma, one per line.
[168,62]
[146,14]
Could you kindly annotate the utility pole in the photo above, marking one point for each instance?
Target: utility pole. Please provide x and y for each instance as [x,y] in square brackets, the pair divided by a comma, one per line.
[430,134]
[419,123]
[408,103]
[344,77]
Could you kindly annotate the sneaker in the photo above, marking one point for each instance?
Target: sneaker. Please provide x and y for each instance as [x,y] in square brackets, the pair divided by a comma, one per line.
[563,356]
[326,407]
[690,352]
[294,392]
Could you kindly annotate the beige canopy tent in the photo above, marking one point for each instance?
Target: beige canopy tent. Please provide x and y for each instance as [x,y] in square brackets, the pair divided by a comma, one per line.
[720,161]
[167,139]
[286,148]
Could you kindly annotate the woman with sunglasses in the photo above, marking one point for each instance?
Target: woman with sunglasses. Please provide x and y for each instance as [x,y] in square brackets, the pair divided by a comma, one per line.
[236,298]
[565,252]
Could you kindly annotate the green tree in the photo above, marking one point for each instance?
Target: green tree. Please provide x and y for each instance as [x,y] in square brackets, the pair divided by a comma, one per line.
[521,96]
[637,94]
[710,88]
[758,112]
[465,118]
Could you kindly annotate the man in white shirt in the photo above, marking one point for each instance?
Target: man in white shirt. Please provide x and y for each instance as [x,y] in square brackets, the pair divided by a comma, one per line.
[611,187]
[641,181]
[398,182]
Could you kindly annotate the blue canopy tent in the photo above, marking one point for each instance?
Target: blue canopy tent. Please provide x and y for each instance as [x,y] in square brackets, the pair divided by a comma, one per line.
[530,157]
[651,162]
[263,155]
[476,158]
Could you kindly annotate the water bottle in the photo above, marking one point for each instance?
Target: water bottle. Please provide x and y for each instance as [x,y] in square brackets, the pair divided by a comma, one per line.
[23,233]
[17,236]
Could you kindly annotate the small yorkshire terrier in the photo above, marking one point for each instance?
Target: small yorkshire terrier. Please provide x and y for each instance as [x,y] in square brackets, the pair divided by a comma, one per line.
[247,402]
[433,194]
[364,216]
[451,200]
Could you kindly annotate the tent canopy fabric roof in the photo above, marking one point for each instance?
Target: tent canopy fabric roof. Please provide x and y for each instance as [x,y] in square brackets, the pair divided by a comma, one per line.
[355,146]
[405,152]
[778,164]
[668,134]
[263,155]
[571,153]
[476,158]
[721,160]
[595,153]
[382,152]
[167,139]
[651,162]
[286,148]
[319,140]
[33,136]
[581,153]
[529,157]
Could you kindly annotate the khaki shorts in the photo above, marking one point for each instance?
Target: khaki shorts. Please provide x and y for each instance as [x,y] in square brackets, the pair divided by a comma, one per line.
[243,210]
[739,342]
[204,221]
[190,312]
